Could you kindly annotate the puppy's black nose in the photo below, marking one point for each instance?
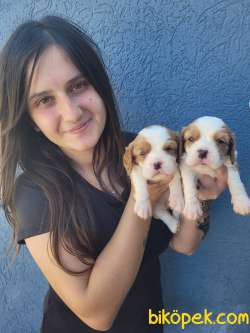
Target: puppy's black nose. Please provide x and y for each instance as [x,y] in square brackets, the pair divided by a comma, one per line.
[202,153]
[157,165]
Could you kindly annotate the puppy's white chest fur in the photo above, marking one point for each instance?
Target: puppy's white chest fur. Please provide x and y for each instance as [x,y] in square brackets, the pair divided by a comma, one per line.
[208,143]
[150,157]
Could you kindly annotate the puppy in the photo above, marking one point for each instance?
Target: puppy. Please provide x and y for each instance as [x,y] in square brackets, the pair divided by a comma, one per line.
[154,153]
[205,145]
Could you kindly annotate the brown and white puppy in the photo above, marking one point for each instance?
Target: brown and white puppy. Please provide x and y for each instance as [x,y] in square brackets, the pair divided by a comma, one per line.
[206,144]
[153,153]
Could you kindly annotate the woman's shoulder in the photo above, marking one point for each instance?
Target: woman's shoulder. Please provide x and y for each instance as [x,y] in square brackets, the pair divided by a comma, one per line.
[26,192]
[31,207]
[23,179]
[24,186]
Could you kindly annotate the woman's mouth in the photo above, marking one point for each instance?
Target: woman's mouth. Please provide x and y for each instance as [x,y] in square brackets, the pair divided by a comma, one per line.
[80,128]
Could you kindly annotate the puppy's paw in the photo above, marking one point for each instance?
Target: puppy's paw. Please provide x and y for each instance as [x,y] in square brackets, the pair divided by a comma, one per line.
[192,210]
[176,202]
[143,208]
[241,205]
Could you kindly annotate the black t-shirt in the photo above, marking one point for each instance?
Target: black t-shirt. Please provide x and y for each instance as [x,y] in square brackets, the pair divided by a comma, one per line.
[145,293]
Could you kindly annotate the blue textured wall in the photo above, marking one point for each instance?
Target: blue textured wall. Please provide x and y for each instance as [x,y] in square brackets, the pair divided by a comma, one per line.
[170,62]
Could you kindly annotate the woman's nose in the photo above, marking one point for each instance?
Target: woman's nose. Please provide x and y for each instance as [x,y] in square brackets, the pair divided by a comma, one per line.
[68,110]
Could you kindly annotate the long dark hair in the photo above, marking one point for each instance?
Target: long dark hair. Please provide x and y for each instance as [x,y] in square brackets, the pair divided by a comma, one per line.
[41,160]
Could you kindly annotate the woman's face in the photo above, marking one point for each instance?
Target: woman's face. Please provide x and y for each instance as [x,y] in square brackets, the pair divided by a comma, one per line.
[63,105]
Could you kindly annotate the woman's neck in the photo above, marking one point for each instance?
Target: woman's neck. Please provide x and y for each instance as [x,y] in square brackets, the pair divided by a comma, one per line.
[82,162]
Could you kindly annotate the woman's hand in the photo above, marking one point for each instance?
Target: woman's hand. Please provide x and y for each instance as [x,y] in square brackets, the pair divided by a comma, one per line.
[158,186]
[210,188]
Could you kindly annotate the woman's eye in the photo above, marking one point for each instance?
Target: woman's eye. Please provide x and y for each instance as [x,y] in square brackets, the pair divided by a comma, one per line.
[79,86]
[44,101]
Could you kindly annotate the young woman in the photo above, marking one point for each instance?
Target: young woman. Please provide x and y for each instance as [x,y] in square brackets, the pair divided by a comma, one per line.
[72,203]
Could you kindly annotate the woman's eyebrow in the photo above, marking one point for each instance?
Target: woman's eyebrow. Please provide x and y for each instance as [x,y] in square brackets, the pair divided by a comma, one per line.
[47,92]
[36,95]
[75,78]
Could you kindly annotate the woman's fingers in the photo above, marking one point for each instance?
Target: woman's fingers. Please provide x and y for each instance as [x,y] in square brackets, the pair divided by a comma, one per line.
[205,194]
[207,182]
[156,189]
[222,178]
[211,187]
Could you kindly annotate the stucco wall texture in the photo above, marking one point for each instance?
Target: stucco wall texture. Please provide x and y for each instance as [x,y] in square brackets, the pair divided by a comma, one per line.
[170,62]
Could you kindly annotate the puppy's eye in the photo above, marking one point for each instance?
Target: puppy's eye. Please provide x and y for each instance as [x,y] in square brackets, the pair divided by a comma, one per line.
[191,139]
[169,149]
[142,153]
[221,142]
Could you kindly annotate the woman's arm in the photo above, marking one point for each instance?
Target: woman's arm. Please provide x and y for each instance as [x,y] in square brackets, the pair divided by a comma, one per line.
[96,296]
[188,238]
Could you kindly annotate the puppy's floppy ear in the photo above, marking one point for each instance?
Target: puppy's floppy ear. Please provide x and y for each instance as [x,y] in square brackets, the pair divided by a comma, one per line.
[128,158]
[176,137]
[232,148]
[181,147]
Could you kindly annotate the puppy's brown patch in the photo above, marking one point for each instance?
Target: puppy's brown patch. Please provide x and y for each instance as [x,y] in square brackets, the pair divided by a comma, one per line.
[141,148]
[189,135]
[171,146]
[225,141]
[136,152]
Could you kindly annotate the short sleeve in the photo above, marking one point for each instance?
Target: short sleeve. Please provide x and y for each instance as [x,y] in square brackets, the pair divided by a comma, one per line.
[31,208]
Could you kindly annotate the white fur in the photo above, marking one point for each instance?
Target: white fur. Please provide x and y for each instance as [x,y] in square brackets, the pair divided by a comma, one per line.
[191,169]
[157,136]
